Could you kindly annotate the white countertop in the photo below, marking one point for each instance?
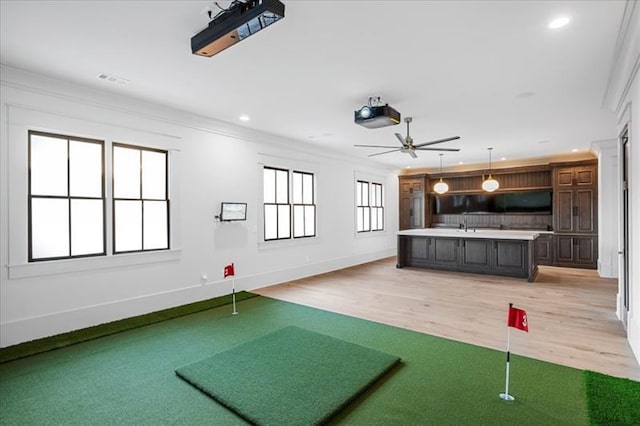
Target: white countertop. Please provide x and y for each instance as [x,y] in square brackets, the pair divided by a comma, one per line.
[480,233]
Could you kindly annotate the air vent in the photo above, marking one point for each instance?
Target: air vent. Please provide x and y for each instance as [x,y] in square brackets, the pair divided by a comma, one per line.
[112,79]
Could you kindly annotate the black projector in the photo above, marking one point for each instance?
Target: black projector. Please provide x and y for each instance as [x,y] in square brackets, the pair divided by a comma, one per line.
[373,117]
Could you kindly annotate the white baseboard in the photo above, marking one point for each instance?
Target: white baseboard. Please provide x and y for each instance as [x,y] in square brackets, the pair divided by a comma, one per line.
[26,329]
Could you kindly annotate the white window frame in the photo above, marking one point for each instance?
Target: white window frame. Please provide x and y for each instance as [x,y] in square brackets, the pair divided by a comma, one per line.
[292,204]
[69,197]
[366,205]
[20,121]
[141,198]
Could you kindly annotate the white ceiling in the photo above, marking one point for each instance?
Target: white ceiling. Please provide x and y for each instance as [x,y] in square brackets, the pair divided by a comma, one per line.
[489,72]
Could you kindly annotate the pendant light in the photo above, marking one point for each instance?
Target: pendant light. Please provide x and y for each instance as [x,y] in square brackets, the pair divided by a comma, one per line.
[441,187]
[490,184]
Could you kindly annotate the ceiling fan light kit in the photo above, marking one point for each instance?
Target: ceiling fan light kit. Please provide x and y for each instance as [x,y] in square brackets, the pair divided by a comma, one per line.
[490,184]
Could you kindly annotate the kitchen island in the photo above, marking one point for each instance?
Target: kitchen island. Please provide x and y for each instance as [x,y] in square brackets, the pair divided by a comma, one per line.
[495,252]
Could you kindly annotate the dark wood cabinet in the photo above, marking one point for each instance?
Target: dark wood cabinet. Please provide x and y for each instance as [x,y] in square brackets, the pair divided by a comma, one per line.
[575,202]
[575,215]
[512,258]
[576,251]
[477,254]
[445,251]
[412,202]
[544,249]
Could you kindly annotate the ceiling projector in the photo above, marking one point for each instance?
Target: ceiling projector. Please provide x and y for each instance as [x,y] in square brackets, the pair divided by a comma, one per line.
[373,117]
[240,20]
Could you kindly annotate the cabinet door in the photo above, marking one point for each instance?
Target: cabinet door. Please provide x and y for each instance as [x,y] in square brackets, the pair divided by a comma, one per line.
[544,249]
[418,251]
[511,255]
[563,210]
[564,253]
[575,176]
[445,251]
[405,208]
[416,211]
[563,177]
[586,251]
[477,253]
[409,186]
[576,251]
[585,208]
[585,176]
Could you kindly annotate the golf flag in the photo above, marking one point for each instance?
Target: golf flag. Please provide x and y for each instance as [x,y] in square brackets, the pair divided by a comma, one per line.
[518,319]
[229,271]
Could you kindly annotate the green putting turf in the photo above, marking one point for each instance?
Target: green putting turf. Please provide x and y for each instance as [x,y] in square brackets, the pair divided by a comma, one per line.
[611,400]
[289,377]
[129,377]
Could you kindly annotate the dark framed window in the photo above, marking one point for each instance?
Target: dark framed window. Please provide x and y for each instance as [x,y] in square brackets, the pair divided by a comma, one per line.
[66,197]
[140,199]
[289,204]
[363,210]
[304,208]
[369,206]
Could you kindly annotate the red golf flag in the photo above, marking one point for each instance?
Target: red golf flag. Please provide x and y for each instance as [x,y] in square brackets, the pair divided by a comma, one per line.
[229,271]
[518,319]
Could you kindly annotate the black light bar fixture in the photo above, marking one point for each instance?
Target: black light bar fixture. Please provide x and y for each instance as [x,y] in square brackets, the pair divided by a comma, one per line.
[239,21]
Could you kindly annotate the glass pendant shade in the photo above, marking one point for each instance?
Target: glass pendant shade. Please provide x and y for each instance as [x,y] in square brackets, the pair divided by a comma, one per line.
[441,187]
[490,184]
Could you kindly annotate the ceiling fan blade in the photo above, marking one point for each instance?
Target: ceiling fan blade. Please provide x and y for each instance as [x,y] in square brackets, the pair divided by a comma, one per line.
[384,152]
[453,138]
[412,153]
[437,149]
[375,146]
[401,139]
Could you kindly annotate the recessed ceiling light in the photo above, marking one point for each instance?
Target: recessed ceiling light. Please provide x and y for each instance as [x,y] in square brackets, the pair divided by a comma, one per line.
[408,167]
[559,22]
[574,150]
[503,158]
[525,95]
[244,117]
[460,162]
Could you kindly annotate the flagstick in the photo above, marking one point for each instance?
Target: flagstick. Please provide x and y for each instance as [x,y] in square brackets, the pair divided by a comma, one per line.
[233,296]
[506,395]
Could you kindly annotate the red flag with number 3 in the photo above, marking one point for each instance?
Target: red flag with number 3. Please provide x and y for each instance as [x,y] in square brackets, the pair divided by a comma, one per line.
[518,319]
[229,271]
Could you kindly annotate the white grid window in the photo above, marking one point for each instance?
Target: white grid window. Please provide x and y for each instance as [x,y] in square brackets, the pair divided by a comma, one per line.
[289,204]
[66,197]
[369,206]
[140,199]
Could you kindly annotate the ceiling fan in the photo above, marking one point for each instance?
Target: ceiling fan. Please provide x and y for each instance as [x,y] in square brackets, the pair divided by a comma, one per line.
[409,147]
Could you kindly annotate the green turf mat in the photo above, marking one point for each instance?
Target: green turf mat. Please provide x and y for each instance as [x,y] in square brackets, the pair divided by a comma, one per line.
[58,341]
[612,400]
[289,377]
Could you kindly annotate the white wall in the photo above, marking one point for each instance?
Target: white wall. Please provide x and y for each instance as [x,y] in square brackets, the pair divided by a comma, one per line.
[211,162]
[608,203]
[623,97]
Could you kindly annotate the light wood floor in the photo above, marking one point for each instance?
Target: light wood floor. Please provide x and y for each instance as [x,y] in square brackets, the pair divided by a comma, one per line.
[571,312]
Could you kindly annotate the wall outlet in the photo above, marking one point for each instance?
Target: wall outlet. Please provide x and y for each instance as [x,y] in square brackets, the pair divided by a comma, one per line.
[203,277]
